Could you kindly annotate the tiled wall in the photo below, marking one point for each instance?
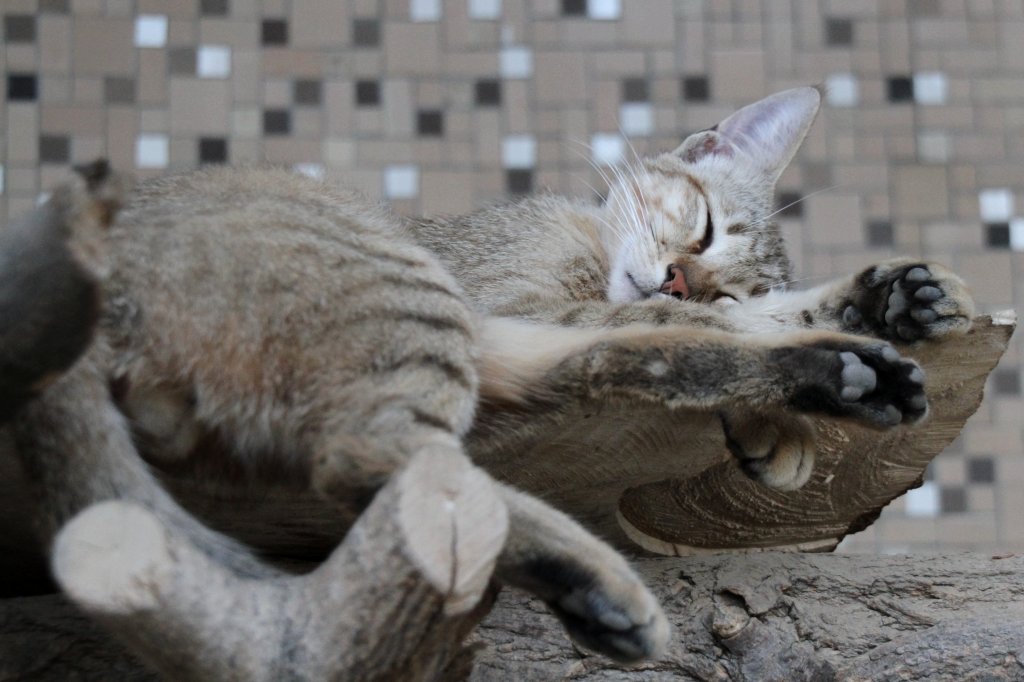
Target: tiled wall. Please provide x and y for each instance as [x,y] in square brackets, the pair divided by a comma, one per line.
[443,106]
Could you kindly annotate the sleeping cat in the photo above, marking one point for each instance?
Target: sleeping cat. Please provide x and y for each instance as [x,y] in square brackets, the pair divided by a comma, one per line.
[275,312]
[685,242]
[303,327]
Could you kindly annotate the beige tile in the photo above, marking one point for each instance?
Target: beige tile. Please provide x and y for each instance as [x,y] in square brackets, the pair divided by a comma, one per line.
[447,192]
[104,46]
[178,9]
[319,24]
[121,131]
[22,133]
[199,106]
[651,22]
[293,63]
[738,75]
[920,192]
[151,85]
[54,40]
[412,49]
[73,119]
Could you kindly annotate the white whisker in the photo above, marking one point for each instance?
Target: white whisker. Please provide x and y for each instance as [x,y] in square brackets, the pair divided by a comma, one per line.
[761,221]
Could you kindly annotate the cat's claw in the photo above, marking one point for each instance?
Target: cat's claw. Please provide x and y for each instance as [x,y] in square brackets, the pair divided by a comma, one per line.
[906,301]
[608,613]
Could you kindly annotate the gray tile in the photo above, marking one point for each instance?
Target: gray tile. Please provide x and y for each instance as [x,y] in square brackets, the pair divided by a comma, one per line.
[365,32]
[307,91]
[181,61]
[214,8]
[54,149]
[19,28]
[118,90]
[838,32]
[55,6]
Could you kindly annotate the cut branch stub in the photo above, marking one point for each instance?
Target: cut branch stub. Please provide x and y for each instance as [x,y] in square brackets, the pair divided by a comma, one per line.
[407,584]
[663,479]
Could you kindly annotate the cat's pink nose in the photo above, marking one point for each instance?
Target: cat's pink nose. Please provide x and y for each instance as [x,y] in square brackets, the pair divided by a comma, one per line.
[675,283]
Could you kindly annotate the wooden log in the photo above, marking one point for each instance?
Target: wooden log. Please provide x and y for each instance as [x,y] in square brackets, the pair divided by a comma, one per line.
[788,617]
[754,617]
[638,474]
[394,601]
[641,474]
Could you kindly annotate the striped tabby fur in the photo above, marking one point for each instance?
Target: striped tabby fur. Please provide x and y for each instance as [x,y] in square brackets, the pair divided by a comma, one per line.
[300,325]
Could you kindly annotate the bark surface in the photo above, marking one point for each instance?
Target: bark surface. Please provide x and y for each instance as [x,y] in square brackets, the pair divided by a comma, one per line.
[741,617]
[793,617]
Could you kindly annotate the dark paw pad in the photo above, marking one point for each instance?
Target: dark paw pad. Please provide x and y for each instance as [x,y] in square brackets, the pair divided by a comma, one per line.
[909,302]
[871,383]
[611,614]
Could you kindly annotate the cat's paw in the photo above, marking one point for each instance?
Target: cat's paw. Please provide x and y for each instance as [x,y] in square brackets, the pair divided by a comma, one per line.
[908,301]
[604,606]
[776,451]
[869,382]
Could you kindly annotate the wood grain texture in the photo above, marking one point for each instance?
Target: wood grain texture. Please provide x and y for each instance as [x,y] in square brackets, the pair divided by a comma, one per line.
[640,475]
[663,479]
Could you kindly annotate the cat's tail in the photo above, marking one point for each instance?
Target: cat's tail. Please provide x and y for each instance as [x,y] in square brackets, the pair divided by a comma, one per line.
[51,265]
[515,356]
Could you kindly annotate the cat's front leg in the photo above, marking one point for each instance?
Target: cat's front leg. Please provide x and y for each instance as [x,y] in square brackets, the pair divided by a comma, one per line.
[808,372]
[905,300]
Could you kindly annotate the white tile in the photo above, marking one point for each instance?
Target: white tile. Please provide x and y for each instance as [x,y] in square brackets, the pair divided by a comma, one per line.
[934,146]
[923,501]
[519,151]
[996,205]
[636,118]
[339,151]
[930,87]
[150,30]
[841,90]
[213,61]
[607,149]
[401,182]
[424,10]
[310,170]
[152,151]
[516,62]
[604,9]
[1017,234]
[42,198]
[484,9]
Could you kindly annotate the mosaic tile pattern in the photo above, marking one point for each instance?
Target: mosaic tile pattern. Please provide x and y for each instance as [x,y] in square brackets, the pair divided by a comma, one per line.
[444,106]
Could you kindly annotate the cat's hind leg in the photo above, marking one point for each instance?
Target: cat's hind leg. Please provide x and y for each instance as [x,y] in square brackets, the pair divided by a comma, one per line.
[776,450]
[590,587]
[76,449]
[601,601]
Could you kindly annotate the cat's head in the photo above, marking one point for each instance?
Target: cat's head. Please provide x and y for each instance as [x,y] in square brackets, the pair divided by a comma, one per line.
[695,223]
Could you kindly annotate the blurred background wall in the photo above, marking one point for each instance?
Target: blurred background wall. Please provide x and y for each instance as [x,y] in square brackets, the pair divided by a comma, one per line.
[442,106]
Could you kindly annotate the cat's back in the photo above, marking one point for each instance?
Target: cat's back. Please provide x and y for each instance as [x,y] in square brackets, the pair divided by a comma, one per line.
[265,276]
[540,246]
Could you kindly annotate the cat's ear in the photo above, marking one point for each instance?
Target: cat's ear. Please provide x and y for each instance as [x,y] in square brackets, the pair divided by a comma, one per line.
[765,134]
